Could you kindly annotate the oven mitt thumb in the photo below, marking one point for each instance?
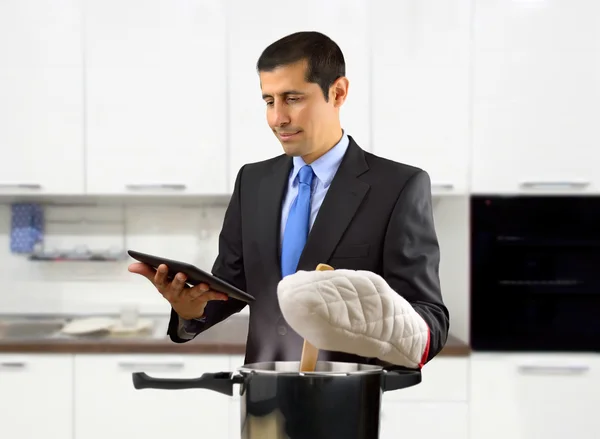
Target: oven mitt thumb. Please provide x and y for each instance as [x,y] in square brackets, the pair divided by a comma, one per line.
[355,312]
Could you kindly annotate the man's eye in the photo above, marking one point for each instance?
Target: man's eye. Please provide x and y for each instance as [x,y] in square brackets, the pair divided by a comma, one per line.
[269,104]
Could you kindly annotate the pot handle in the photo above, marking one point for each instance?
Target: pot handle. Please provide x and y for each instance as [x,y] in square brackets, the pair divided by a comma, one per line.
[221,382]
[394,379]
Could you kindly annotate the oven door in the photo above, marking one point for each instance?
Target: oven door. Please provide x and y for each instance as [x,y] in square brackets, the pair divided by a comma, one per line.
[535,273]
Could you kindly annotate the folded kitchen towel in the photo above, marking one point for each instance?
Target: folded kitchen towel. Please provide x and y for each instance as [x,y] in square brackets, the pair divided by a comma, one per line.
[356,312]
[27,227]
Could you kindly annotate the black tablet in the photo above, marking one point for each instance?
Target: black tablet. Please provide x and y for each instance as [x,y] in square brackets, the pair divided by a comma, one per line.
[194,275]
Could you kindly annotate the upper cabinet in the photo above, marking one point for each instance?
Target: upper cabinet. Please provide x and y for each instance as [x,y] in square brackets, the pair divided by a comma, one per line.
[420,87]
[156,97]
[536,97]
[41,95]
[162,97]
[252,28]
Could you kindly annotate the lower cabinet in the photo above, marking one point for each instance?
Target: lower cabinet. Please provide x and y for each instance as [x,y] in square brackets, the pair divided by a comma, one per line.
[36,396]
[235,424]
[436,408]
[425,420]
[486,396]
[108,406]
[525,396]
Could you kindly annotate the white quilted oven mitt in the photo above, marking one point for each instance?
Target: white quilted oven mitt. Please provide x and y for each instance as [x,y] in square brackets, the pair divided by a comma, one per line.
[355,312]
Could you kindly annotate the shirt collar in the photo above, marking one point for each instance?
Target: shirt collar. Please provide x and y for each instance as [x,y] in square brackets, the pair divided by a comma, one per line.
[325,166]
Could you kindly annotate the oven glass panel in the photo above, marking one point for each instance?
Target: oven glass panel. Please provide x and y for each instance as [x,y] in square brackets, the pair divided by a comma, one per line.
[535,273]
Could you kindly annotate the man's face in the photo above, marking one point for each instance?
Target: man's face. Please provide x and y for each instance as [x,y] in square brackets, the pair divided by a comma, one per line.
[297,111]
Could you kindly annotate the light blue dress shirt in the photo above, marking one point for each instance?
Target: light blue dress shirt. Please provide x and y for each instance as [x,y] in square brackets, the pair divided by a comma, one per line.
[324,168]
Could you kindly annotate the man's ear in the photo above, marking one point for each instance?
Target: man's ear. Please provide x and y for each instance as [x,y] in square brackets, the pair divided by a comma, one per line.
[338,92]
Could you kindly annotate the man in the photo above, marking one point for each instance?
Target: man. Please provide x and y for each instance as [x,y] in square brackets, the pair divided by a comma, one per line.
[364,213]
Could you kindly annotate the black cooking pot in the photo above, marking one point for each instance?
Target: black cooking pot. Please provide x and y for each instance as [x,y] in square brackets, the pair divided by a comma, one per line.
[337,400]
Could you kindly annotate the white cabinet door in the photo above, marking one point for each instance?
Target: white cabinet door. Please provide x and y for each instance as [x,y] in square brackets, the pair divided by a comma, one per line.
[108,406]
[235,424]
[437,407]
[535,396]
[156,101]
[536,97]
[444,379]
[36,396]
[421,78]
[41,95]
[252,27]
[425,420]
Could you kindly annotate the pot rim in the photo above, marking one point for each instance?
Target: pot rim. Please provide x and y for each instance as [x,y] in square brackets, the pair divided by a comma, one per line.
[328,368]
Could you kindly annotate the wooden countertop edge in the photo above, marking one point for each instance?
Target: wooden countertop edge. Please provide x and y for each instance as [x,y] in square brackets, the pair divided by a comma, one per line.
[454,348]
[127,347]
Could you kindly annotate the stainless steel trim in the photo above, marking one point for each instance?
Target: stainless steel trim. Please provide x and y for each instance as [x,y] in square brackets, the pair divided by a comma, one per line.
[156,186]
[31,186]
[553,370]
[327,368]
[447,186]
[554,184]
[12,365]
[142,367]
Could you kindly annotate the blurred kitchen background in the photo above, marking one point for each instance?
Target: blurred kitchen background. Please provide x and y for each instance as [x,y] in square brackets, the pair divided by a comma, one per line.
[123,124]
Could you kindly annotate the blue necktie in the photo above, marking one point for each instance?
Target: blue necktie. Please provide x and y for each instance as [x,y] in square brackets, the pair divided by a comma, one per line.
[297,226]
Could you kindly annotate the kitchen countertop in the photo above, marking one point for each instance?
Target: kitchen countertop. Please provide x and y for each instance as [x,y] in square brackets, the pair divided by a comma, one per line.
[228,337]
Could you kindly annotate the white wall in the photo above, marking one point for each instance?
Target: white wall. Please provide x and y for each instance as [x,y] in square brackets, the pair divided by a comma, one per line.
[189,233]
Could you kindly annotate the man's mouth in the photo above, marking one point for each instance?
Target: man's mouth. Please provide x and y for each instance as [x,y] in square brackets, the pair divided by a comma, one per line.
[286,136]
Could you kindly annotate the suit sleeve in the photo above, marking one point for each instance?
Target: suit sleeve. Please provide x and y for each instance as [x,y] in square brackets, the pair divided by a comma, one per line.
[411,259]
[229,266]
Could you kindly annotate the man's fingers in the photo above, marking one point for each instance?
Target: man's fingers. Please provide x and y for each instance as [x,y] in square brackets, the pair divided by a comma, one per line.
[215,295]
[177,286]
[160,278]
[142,269]
[199,292]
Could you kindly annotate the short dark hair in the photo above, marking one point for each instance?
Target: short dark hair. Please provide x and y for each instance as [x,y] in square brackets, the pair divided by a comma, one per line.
[324,57]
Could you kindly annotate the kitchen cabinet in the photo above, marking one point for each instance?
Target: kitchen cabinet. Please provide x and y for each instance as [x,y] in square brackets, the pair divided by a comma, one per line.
[251,29]
[524,396]
[536,97]
[420,87]
[156,97]
[36,396]
[41,95]
[107,404]
[235,424]
[437,407]
[425,420]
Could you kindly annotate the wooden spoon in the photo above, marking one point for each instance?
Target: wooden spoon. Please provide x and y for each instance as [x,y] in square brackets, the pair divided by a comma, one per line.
[310,353]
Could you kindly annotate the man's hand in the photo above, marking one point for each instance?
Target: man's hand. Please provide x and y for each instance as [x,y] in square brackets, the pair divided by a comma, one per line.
[189,303]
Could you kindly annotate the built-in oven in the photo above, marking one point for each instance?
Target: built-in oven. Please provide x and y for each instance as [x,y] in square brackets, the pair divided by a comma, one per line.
[535,273]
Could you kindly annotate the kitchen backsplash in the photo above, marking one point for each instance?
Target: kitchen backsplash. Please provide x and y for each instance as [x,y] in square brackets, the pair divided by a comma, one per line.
[189,233]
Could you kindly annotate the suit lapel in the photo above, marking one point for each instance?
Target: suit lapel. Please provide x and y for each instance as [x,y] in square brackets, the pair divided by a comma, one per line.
[339,207]
[270,197]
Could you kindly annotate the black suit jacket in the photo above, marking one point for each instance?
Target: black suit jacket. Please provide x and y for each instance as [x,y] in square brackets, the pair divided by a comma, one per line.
[377,216]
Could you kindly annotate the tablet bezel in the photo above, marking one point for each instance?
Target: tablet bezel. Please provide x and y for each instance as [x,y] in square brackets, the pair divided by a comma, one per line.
[194,275]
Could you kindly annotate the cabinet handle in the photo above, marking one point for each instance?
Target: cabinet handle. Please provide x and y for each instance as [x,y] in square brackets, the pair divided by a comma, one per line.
[554,370]
[156,186]
[141,367]
[546,184]
[31,186]
[12,365]
[447,186]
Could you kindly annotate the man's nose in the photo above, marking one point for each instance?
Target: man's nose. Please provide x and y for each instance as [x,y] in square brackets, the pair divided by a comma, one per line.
[280,116]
